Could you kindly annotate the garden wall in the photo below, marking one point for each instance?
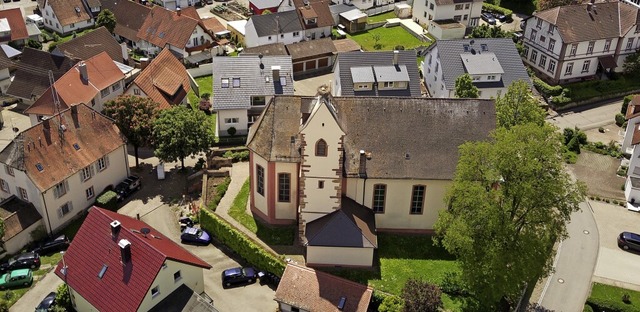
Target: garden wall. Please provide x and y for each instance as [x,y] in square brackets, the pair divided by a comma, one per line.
[596,99]
[202,70]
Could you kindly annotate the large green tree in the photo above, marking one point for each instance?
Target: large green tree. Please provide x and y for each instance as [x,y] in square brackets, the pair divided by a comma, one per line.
[548,4]
[465,87]
[509,202]
[107,19]
[487,31]
[179,132]
[134,117]
[518,106]
[631,64]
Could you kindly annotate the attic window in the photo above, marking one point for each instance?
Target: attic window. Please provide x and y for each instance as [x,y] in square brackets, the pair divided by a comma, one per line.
[77,9]
[224,82]
[161,35]
[466,47]
[103,271]
[236,82]
[407,156]
[341,304]
[484,47]
[76,146]
[39,167]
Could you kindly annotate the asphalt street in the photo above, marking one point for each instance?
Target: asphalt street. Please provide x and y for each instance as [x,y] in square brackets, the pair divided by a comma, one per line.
[588,117]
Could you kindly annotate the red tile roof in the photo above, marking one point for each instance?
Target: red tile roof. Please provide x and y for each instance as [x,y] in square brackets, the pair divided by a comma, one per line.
[633,109]
[123,287]
[69,11]
[212,25]
[16,22]
[162,27]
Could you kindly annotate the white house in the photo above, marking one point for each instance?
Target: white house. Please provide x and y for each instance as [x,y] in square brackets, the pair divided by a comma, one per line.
[67,16]
[466,12]
[280,27]
[175,4]
[629,146]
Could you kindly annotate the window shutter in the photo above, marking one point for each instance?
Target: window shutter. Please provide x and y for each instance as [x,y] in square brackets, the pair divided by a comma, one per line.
[106,161]
[66,186]
[81,176]
[60,212]
[56,194]
[93,172]
[70,206]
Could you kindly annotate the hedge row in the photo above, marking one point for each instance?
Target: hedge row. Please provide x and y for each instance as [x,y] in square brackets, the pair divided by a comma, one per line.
[498,9]
[545,89]
[221,189]
[107,200]
[610,305]
[253,253]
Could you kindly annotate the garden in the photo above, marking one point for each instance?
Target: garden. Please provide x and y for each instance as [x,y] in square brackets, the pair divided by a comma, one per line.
[387,38]
[608,298]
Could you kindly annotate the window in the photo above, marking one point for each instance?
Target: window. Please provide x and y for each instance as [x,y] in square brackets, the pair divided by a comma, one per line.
[259,100]
[424,14]
[586,65]
[431,57]
[379,192]
[491,77]
[534,56]
[543,61]
[466,6]
[417,199]
[321,184]
[574,49]
[539,23]
[86,173]
[8,170]
[590,47]
[155,291]
[321,148]
[296,33]
[231,120]
[552,44]
[115,86]
[431,6]
[457,18]
[23,194]
[551,28]
[466,17]
[459,7]
[388,84]
[260,179]
[104,92]
[543,38]
[437,66]
[552,66]
[236,82]
[177,276]
[73,25]
[224,82]
[65,209]
[60,189]
[533,35]
[4,185]
[284,187]
[607,45]
[630,43]
[525,52]
[89,192]
[569,69]
[102,163]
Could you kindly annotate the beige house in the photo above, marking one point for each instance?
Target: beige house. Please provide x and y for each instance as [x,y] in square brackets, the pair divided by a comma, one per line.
[20,219]
[344,168]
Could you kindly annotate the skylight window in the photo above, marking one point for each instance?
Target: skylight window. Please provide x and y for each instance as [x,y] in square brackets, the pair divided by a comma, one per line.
[103,271]
[466,47]
[224,82]
[236,82]
[40,167]
[484,47]
[76,146]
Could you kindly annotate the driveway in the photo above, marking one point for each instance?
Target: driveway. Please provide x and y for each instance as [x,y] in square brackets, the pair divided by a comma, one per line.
[32,298]
[587,117]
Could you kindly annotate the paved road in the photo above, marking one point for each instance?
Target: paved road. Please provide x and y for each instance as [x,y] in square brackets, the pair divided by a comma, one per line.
[32,298]
[587,117]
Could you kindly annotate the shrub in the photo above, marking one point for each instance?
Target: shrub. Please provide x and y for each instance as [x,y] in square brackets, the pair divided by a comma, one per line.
[399,47]
[606,200]
[625,103]
[52,46]
[4,306]
[452,284]
[545,89]
[494,8]
[574,145]
[610,305]
[601,130]
[626,298]
[421,296]
[391,303]
[598,198]
[587,308]
[620,119]
[221,189]
[108,200]
[237,156]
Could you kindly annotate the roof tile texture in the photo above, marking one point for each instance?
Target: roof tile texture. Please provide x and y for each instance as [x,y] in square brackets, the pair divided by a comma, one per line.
[66,13]
[129,17]
[162,27]
[16,22]
[91,44]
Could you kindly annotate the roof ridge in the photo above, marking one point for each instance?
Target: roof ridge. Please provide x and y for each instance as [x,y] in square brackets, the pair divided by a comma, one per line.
[305,268]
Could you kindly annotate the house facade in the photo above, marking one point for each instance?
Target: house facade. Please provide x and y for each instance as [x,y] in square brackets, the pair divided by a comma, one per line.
[559,52]
[20,219]
[258,7]
[466,12]
[281,27]
[66,16]
[175,4]
[630,147]
[13,28]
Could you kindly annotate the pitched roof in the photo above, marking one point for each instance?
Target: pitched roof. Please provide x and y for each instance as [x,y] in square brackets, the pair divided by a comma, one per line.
[315,9]
[266,4]
[130,16]
[313,290]
[267,49]
[122,287]
[256,79]
[72,89]
[162,27]
[408,58]
[276,23]
[17,215]
[304,49]
[212,25]
[165,80]
[69,11]
[346,45]
[353,225]
[32,73]
[91,44]
[190,11]
[633,109]
[575,23]
[453,57]
[16,23]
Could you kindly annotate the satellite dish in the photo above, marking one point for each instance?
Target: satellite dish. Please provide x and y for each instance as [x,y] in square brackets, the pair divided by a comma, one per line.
[145,231]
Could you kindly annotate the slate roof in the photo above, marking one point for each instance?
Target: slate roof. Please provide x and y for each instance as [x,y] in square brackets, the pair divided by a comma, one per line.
[91,44]
[267,49]
[407,58]
[309,48]
[576,24]
[162,27]
[276,23]
[32,73]
[353,225]
[96,135]
[129,17]
[503,48]
[16,22]
[165,80]
[17,215]
[312,290]
[253,80]
[122,287]
[66,11]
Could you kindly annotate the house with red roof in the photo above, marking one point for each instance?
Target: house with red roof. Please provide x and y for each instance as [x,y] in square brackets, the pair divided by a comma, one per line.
[12,27]
[118,263]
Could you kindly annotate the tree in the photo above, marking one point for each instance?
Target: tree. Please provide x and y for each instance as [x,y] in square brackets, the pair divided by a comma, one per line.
[465,87]
[548,4]
[507,205]
[420,296]
[179,132]
[631,64]
[518,106]
[63,299]
[486,31]
[106,19]
[134,117]
[34,44]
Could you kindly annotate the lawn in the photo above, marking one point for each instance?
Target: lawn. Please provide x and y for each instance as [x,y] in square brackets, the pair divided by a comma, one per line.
[205,84]
[612,294]
[269,235]
[381,17]
[389,39]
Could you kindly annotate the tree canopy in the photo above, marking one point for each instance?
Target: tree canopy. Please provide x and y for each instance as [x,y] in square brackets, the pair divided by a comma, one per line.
[518,106]
[107,19]
[465,87]
[487,31]
[631,64]
[420,296]
[548,4]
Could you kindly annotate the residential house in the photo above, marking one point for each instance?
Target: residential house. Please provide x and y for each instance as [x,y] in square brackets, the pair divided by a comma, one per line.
[31,78]
[61,164]
[174,5]
[257,7]
[353,21]
[281,27]
[91,44]
[94,82]
[345,168]
[20,218]
[130,16]
[165,80]
[630,147]
[119,263]
[8,66]
[492,63]
[13,28]
[363,5]
[312,57]
[315,16]
[305,289]
[560,52]
[66,16]
[243,85]
[380,73]
[466,12]
[237,31]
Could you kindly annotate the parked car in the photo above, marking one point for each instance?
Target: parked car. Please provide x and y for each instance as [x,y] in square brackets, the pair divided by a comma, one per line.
[47,303]
[54,245]
[236,276]
[195,236]
[488,17]
[29,260]
[629,241]
[22,277]
[128,186]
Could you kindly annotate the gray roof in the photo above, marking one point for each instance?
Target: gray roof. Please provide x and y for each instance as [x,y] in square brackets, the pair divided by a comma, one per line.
[277,23]
[265,4]
[481,63]
[391,73]
[362,74]
[252,71]
[503,48]
[407,58]
[311,48]
[267,49]
[353,225]
[340,8]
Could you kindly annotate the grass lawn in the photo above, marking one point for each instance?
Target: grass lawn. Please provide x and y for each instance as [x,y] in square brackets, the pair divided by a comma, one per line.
[381,17]
[205,84]
[614,294]
[70,36]
[389,39]
[269,235]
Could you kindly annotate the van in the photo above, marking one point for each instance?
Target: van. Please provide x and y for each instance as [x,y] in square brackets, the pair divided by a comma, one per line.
[35,19]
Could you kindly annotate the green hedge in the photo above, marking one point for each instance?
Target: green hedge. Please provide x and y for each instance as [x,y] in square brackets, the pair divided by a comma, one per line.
[221,189]
[238,242]
[545,89]
[108,200]
[610,305]
[497,9]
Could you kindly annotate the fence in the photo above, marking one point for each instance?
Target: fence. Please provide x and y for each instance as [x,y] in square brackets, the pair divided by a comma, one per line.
[201,70]
[382,9]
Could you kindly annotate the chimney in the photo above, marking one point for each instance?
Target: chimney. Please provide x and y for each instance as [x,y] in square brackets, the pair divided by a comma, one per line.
[82,68]
[74,110]
[362,170]
[144,61]
[45,123]
[396,53]
[589,6]
[178,11]
[125,251]
[276,73]
[115,228]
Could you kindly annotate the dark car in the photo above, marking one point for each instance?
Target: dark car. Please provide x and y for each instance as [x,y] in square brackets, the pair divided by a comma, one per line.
[236,276]
[488,17]
[47,303]
[26,260]
[195,236]
[128,186]
[629,241]
[500,17]
[57,244]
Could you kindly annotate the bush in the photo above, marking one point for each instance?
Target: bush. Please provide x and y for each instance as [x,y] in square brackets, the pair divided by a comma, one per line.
[619,120]
[601,130]
[421,296]
[452,284]
[610,305]
[399,48]
[391,303]
[574,145]
[237,156]
[587,308]
[52,46]
[253,253]
[221,189]
[625,103]
[494,8]
[107,200]
[545,89]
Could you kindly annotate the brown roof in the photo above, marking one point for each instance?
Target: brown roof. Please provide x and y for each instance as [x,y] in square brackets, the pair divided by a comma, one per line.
[212,25]
[633,109]
[267,49]
[69,11]
[636,135]
[91,44]
[17,216]
[305,49]
[575,23]
[162,27]
[316,9]
[190,11]
[32,73]
[129,17]
[312,290]
[95,134]
[346,45]
[16,23]
[72,89]
[165,80]
[353,225]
